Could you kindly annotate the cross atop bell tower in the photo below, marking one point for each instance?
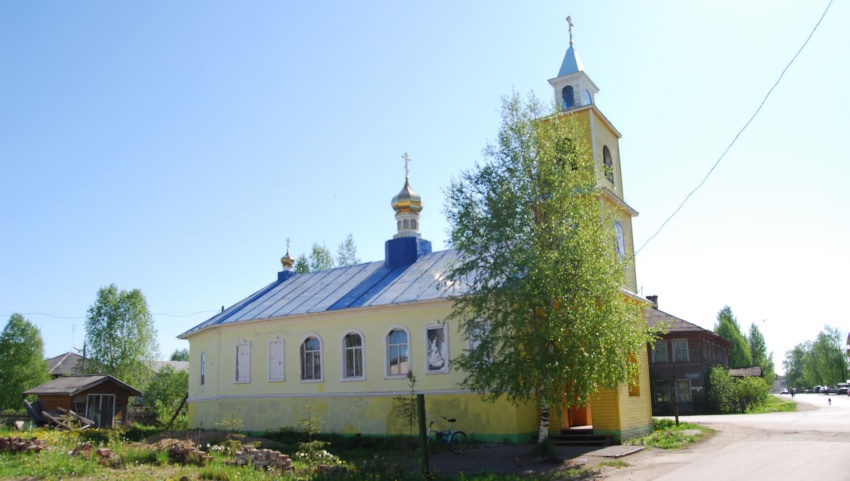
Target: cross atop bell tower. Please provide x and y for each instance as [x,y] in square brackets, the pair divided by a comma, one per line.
[573,88]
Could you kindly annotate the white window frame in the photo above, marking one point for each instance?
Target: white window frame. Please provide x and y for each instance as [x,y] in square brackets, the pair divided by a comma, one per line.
[302,359]
[387,349]
[675,350]
[203,367]
[282,361]
[236,380]
[444,348]
[655,351]
[344,357]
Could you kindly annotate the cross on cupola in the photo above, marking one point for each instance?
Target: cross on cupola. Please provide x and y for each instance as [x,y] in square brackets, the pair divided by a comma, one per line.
[407,204]
[573,88]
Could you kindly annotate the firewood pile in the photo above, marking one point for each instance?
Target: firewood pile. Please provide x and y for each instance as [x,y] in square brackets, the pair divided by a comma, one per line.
[15,444]
[264,459]
[104,455]
[185,453]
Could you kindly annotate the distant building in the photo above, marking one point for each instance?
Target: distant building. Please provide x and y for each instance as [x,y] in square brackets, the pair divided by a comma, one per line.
[679,362]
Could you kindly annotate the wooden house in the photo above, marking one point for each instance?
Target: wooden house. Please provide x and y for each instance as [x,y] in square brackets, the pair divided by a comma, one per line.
[101,399]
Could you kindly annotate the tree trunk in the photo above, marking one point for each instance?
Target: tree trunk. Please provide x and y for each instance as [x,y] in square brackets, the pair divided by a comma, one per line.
[543,432]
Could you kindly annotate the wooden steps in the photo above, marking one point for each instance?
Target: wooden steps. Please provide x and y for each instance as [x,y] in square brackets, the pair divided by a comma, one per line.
[581,437]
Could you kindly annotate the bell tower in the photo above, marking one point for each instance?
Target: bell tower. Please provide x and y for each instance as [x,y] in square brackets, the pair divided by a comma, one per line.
[575,94]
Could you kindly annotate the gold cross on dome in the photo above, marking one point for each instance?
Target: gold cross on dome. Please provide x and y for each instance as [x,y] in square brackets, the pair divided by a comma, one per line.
[407,160]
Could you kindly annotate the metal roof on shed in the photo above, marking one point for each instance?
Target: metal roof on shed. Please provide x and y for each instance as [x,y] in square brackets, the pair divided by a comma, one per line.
[71,385]
[364,285]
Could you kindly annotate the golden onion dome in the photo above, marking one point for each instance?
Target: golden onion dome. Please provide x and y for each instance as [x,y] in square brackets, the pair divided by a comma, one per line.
[287,260]
[407,200]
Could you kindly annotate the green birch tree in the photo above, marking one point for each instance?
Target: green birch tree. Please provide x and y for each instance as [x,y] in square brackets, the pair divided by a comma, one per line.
[346,252]
[120,336]
[22,364]
[728,328]
[542,283]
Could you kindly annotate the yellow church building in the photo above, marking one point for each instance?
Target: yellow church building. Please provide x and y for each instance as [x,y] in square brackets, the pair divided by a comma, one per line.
[343,340]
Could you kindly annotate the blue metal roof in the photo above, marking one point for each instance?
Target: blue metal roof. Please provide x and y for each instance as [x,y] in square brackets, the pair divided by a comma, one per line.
[363,285]
[571,63]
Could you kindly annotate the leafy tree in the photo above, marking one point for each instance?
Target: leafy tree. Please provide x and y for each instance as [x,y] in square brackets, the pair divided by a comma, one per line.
[22,364]
[320,258]
[821,362]
[302,266]
[721,391]
[760,356]
[537,257]
[180,355]
[346,252]
[121,336]
[728,328]
[795,366]
[828,358]
[164,394]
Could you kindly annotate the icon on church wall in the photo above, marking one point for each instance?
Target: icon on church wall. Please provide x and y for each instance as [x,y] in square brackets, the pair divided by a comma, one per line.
[437,349]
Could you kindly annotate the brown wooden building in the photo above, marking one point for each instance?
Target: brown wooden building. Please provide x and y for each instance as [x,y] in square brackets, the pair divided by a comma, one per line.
[102,399]
[679,363]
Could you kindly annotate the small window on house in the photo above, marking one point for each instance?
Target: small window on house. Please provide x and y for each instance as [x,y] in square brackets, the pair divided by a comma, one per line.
[634,382]
[569,99]
[243,362]
[203,367]
[311,359]
[276,370]
[352,345]
[608,164]
[659,352]
[683,391]
[398,353]
[680,350]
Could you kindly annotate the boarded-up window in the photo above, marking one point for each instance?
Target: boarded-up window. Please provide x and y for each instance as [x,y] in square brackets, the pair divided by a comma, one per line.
[276,360]
[243,362]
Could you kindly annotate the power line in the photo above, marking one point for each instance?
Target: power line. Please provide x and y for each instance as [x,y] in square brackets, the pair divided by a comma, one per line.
[739,132]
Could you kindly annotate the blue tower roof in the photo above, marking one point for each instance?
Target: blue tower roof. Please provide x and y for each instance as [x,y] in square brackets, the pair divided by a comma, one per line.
[571,63]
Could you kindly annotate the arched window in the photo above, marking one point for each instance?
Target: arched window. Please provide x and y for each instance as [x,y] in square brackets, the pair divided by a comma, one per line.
[413,224]
[203,367]
[569,99]
[352,346]
[587,98]
[311,359]
[398,353]
[608,164]
[621,242]
[399,225]
[406,224]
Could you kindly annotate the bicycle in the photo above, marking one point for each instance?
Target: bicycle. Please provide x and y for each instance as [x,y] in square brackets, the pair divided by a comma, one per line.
[454,440]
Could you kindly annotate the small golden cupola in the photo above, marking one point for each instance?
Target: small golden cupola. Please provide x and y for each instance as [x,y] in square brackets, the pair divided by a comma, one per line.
[407,205]
[287,261]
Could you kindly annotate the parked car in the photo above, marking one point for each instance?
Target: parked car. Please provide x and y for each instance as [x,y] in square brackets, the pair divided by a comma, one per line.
[784,391]
[807,391]
[828,390]
[843,390]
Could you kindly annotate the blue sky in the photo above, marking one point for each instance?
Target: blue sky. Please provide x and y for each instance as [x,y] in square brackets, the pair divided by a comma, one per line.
[174,146]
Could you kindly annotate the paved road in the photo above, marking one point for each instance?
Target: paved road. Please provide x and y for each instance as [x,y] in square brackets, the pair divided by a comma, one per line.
[812,443]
